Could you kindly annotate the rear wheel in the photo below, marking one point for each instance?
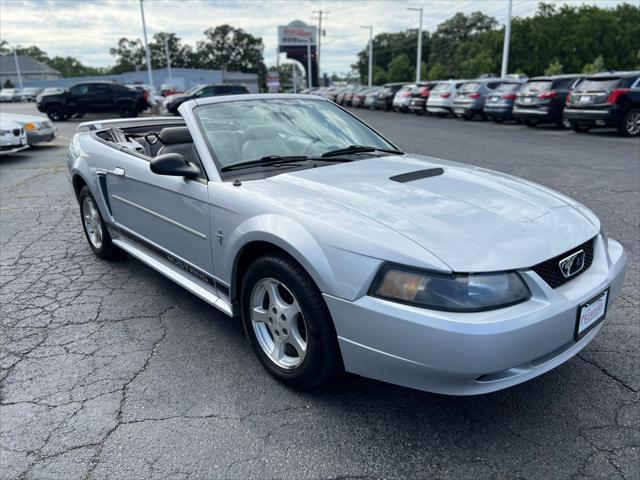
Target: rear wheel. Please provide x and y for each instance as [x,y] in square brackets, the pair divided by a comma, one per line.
[578,128]
[125,110]
[498,119]
[288,323]
[94,227]
[56,113]
[563,124]
[630,126]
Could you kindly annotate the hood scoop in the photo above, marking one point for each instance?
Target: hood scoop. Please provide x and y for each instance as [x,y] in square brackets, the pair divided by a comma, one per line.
[417,175]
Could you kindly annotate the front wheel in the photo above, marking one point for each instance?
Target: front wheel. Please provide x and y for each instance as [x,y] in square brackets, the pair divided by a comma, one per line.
[56,113]
[630,126]
[125,110]
[288,323]
[94,227]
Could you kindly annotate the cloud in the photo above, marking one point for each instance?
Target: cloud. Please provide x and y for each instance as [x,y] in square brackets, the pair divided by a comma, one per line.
[87,29]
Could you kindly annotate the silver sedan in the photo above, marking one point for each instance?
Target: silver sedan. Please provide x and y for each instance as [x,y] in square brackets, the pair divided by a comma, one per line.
[338,251]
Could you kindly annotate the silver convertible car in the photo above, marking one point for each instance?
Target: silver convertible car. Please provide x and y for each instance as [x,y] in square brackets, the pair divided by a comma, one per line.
[340,252]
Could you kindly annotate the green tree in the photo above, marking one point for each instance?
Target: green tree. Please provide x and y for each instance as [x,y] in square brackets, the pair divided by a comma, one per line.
[7,84]
[72,67]
[554,68]
[379,75]
[387,46]
[129,55]
[401,69]
[181,55]
[437,72]
[595,67]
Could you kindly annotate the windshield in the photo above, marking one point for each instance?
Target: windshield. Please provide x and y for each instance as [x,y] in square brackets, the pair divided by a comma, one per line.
[507,87]
[193,90]
[251,129]
[469,87]
[597,84]
[537,86]
[441,87]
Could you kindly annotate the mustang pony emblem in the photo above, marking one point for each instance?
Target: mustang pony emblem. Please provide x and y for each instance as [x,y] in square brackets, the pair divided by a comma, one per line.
[572,264]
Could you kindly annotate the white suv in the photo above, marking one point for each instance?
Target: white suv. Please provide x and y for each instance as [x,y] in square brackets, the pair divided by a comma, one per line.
[442,96]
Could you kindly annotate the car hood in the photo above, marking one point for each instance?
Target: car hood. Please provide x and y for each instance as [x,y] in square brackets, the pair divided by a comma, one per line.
[472,219]
[8,124]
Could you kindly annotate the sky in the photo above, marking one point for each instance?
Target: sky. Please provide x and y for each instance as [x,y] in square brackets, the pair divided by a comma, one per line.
[86,29]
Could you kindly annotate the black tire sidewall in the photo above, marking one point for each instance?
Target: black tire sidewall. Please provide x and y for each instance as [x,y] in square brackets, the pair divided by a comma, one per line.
[321,360]
[107,249]
[125,110]
[623,126]
[56,110]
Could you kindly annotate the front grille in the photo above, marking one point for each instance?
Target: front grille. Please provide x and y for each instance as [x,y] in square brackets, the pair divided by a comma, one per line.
[16,132]
[550,272]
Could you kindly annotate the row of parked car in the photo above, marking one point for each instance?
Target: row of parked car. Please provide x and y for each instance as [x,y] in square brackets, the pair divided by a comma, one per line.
[28,94]
[19,132]
[579,102]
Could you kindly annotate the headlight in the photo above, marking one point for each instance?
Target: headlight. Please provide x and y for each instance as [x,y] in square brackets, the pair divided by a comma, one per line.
[30,127]
[472,292]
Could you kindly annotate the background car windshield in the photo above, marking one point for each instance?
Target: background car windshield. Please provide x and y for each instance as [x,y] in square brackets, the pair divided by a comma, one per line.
[469,87]
[536,86]
[507,87]
[251,129]
[597,84]
[441,87]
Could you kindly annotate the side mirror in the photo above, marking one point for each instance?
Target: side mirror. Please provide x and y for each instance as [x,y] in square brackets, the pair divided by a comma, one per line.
[174,164]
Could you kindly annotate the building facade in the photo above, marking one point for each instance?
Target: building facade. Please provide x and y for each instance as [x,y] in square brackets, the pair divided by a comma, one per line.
[31,70]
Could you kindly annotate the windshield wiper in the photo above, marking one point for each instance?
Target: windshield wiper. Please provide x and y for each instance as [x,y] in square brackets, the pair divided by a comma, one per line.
[360,149]
[271,160]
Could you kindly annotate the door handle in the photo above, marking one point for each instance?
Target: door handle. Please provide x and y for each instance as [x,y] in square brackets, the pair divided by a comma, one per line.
[118,171]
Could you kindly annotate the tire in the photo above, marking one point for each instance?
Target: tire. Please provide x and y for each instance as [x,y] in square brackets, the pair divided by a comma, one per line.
[578,128]
[94,228]
[530,123]
[563,124]
[125,110]
[56,113]
[498,119]
[630,126]
[267,328]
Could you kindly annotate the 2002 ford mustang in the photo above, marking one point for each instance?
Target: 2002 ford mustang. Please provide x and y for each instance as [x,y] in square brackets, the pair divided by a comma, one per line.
[339,251]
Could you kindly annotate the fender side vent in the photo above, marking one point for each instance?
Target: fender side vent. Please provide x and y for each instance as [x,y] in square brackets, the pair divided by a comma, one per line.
[417,175]
[102,179]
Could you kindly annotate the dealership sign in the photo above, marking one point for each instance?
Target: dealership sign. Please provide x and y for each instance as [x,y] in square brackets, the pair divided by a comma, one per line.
[297,33]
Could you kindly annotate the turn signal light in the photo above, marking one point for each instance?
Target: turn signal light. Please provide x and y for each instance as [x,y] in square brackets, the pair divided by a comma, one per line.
[445,95]
[474,95]
[30,127]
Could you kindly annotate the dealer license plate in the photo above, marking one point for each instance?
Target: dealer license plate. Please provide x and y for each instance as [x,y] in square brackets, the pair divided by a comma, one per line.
[591,313]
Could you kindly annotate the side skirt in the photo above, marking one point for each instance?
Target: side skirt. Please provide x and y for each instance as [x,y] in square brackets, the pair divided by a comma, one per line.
[161,264]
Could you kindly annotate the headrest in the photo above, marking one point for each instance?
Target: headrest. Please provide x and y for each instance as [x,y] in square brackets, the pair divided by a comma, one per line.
[175,135]
[261,131]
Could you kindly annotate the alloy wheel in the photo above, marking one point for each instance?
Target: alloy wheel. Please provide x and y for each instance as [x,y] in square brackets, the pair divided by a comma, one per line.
[92,222]
[278,323]
[632,123]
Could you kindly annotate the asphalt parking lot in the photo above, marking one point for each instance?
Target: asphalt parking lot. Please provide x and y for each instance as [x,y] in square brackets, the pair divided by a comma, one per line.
[109,370]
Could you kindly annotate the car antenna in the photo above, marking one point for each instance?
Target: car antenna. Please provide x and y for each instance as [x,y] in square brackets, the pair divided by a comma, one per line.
[237,183]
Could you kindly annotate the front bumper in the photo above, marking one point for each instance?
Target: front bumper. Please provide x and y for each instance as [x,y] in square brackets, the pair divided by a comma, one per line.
[473,353]
[45,135]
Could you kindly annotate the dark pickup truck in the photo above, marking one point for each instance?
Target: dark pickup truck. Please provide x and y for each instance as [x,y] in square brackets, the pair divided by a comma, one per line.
[92,97]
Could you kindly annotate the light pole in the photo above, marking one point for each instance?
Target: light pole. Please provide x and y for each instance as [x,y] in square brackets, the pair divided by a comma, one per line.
[15,58]
[146,45]
[370,27]
[321,14]
[419,60]
[507,39]
[166,52]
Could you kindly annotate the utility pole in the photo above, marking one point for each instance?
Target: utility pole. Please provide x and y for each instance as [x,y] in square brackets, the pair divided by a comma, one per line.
[166,52]
[321,14]
[15,58]
[294,72]
[146,45]
[370,27]
[309,74]
[419,60]
[507,40]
